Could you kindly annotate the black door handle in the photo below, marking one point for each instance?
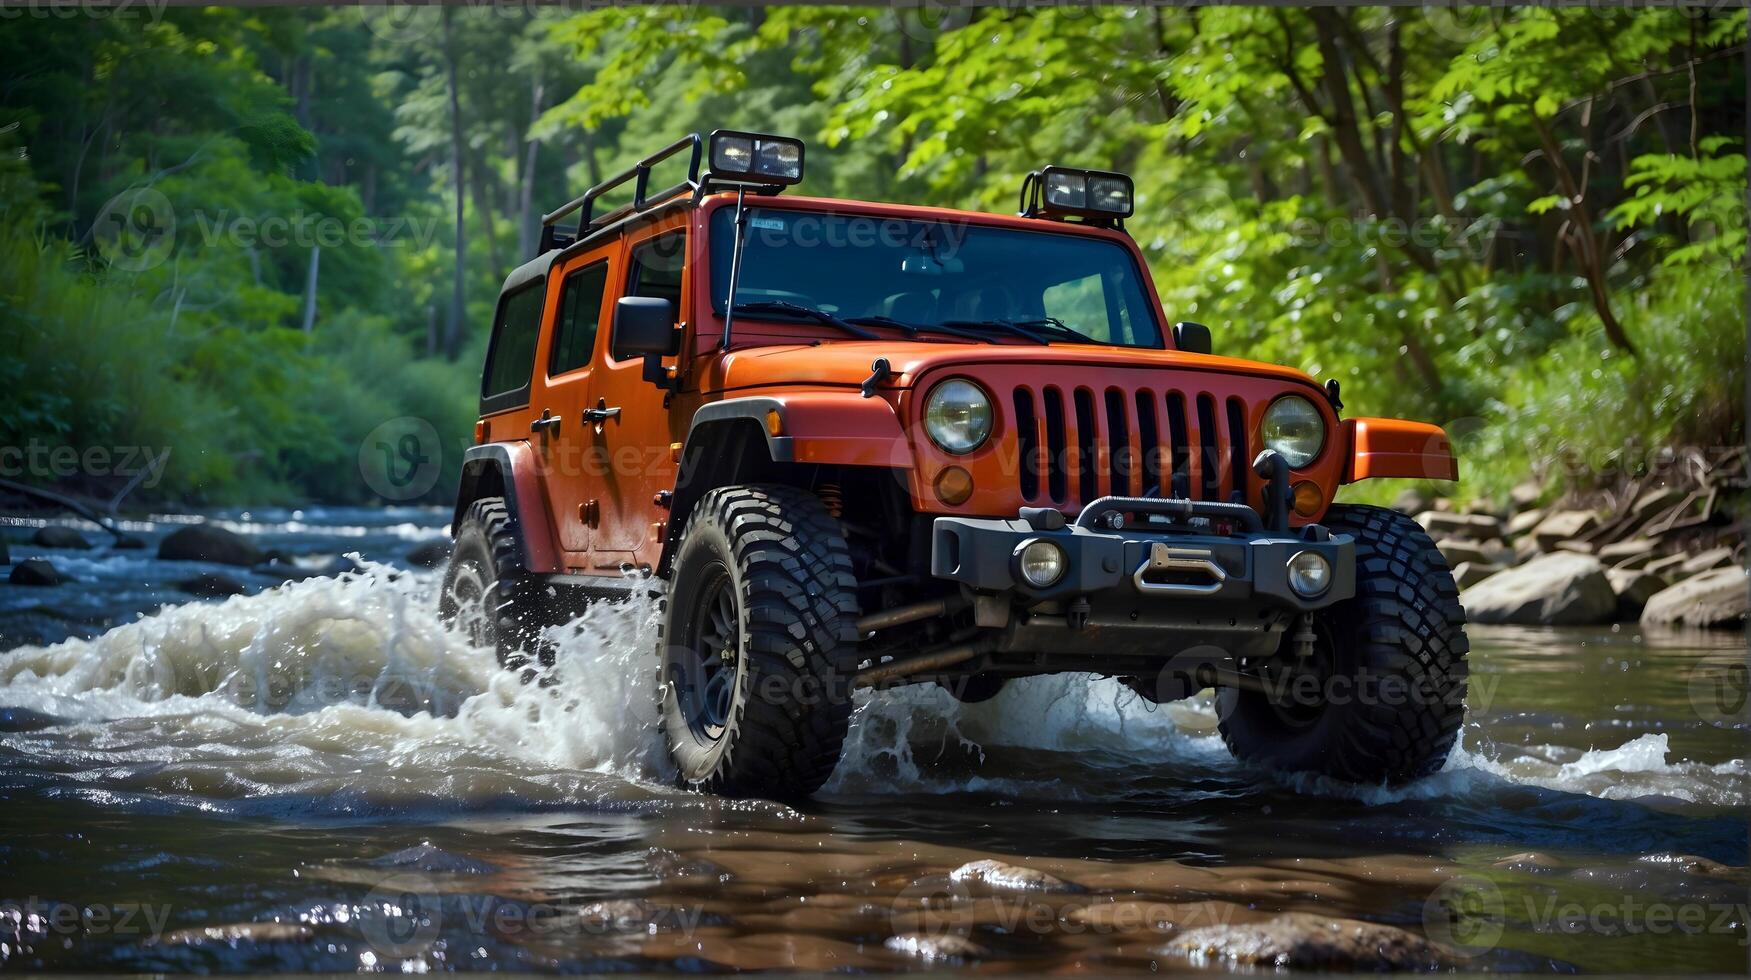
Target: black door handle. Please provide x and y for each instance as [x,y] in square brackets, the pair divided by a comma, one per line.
[548,420]
[601,413]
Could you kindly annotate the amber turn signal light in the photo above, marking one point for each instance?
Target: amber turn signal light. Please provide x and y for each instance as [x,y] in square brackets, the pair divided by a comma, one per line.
[953,486]
[1307,498]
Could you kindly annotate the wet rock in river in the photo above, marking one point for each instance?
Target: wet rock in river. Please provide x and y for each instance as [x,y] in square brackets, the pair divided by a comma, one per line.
[211,586]
[253,932]
[1525,495]
[672,864]
[1528,861]
[429,555]
[1458,550]
[1301,941]
[1523,522]
[1618,552]
[1716,599]
[34,571]
[938,948]
[1562,589]
[1692,864]
[624,915]
[1010,877]
[207,542]
[1634,589]
[60,537]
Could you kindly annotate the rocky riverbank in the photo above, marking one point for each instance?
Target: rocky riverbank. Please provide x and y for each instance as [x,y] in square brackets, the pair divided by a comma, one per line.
[1668,555]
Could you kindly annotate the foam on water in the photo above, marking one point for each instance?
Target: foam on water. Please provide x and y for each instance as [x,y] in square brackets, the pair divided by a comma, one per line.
[351,687]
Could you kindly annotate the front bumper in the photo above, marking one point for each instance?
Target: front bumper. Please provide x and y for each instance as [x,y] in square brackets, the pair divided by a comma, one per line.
[1141,552]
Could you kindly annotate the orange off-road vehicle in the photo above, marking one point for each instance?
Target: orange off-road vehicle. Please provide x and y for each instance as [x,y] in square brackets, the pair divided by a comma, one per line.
[864,445]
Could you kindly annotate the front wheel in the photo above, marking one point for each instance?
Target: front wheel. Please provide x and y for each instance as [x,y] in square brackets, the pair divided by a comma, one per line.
[758,644]
[487,593]
[1378,694]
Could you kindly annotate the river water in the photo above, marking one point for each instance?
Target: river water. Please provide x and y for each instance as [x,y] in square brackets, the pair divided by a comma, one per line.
[318,776]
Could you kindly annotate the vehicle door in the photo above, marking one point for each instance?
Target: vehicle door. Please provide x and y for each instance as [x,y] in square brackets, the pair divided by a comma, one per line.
[632,429]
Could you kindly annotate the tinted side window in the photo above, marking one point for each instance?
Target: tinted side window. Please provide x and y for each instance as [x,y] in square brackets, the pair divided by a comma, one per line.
[580,314]
[656,268]
[511,358]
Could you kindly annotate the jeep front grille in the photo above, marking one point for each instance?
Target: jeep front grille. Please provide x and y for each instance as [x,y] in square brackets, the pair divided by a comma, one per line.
[1078,443]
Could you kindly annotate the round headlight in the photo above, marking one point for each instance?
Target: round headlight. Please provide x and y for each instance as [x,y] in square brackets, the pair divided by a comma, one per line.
[1042,562]
[1309,574]
[1294,428]
[958,416]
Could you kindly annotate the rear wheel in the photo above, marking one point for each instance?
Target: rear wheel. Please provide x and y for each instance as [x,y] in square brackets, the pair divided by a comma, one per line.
[486,590]
[758,645]
[1379,693]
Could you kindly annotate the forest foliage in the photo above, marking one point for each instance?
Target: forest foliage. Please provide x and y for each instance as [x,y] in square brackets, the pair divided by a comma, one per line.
[253,236]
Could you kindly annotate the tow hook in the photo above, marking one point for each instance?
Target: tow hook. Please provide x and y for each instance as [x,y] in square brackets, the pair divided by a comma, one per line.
[1077,615]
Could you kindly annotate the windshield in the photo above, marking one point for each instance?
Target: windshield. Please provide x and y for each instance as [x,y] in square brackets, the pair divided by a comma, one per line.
[925,274]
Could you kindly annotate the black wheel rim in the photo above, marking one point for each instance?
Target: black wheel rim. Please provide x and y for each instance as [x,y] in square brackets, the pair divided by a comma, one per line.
[705,670]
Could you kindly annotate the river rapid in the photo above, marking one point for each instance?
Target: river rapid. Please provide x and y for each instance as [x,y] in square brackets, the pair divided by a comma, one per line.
[320,776]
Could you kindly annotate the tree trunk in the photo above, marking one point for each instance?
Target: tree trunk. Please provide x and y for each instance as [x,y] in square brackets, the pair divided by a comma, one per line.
[453,328]
[1588,254]
[528,222]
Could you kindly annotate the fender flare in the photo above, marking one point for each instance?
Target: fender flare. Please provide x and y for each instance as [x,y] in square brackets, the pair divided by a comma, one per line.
[1386,448]
[514,470]
[829,427]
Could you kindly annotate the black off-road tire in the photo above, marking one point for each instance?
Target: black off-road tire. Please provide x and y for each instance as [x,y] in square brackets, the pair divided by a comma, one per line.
[783,562]
[487,590]
[1403,631]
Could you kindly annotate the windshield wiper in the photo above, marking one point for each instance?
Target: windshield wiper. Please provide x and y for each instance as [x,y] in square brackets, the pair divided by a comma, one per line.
[914,329]
[1055,324]
[806,312]
[1004,325]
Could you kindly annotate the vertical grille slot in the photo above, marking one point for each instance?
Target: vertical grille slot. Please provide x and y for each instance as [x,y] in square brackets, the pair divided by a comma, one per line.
[1120,464]
[1085,445]
[1180,476]
[1027,444]
[1057,447]
[1149,441]
[1239,461]
[1209,453]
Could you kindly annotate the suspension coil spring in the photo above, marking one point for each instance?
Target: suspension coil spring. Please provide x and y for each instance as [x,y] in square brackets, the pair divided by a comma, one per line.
[832,498]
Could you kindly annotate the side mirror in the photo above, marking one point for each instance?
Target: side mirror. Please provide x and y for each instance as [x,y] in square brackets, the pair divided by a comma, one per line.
[1188,336]
[644,326]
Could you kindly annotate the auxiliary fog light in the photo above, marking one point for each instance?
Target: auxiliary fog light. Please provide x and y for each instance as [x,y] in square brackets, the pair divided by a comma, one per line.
[1309,574]
[1042,562]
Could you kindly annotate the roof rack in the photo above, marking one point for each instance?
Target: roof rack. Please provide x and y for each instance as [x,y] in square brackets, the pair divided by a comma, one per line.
[696,185]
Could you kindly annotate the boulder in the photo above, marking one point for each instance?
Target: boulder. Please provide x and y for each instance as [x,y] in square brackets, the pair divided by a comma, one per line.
[1525,495]
[34,571]
[938,948]
[430,555]
[1635,562]
[1010,877]
[1718,598]
[1523,522]
[1413,500]
[1617,552]
[1563,525]
[208,542]
[1561,589]
[1703,561]
[60,537]
[1526,548]
[1468,573]
[1575,546]
[1444,524]
[1634,589]
[211,586]
[1667,565]
[1653,503]
[1458,550]
[1303,941]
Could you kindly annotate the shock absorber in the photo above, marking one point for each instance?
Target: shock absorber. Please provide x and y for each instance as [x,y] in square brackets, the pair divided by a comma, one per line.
[1304,637]
[832,498]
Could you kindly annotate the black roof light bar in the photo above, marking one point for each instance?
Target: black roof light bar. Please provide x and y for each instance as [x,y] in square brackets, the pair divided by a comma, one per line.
[745,161]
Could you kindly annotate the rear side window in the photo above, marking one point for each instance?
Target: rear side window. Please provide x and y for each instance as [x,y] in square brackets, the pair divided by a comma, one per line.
[656,268]
[580,314]
[510,360]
